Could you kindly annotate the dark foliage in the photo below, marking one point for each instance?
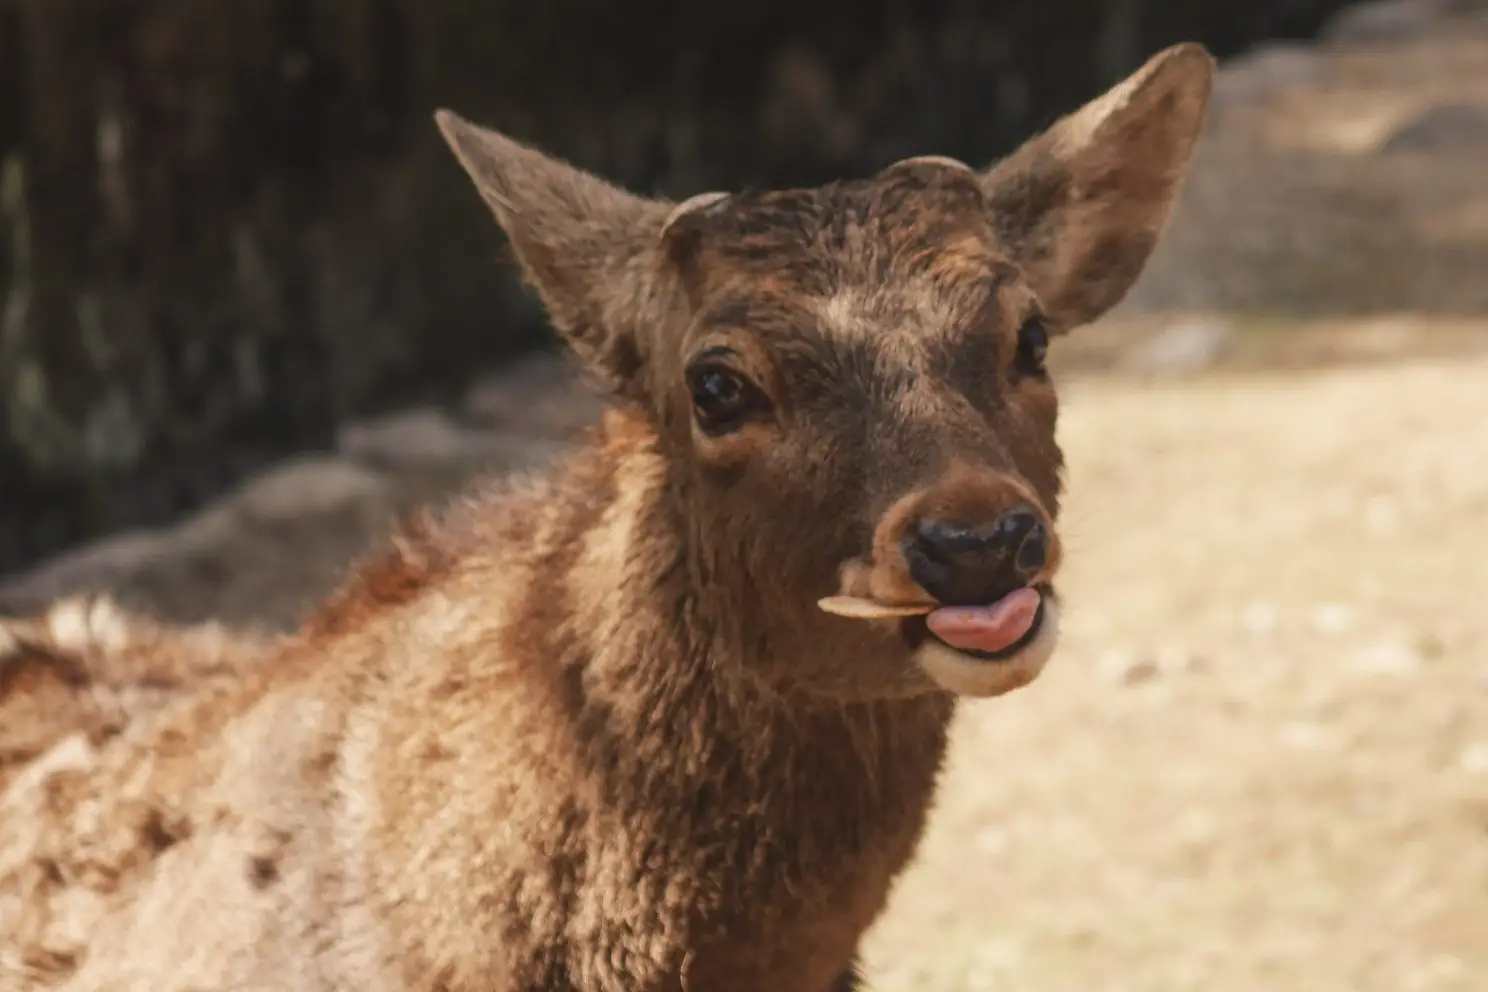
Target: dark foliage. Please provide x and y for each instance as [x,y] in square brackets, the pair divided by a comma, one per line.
[228,226]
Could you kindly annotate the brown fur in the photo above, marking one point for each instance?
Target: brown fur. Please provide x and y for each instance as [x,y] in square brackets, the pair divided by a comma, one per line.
[85,668]
[590,732]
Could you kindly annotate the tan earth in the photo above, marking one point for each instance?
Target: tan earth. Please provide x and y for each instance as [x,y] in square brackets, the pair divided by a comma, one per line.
[1260,761]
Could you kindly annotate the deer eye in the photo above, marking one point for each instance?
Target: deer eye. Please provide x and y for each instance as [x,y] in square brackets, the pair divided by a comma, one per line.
[1033,347]
[722,399]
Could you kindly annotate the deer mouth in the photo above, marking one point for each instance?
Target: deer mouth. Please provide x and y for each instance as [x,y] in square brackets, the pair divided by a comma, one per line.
[983,650]
[995,631]
[992,631]
[977,651]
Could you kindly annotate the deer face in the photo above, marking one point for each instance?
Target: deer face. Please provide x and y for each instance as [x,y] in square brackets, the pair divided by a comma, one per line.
[849,382]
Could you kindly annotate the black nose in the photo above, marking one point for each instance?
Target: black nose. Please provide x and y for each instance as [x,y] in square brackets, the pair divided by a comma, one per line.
[964,564]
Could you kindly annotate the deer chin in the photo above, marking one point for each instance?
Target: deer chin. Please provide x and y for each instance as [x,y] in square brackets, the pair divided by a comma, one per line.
[983,651]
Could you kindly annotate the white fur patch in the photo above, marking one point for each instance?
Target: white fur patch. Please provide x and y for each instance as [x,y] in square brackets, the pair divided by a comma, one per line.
[965,675]
[80,625]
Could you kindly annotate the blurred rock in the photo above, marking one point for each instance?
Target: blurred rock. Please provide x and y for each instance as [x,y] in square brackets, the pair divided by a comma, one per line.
[105,564]
[543,395]
[305,486]
[1263,71]
[225,536]
[1449,125]
[1381,21]
[429,436]
[1290,210]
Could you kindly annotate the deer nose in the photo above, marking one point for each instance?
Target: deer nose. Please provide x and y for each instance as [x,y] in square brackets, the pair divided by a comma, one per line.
[963,564]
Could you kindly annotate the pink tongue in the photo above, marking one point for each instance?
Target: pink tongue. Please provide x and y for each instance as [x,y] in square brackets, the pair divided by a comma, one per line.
[986,628]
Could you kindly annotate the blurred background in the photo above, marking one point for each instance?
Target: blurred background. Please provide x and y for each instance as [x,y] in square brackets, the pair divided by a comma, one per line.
[250,310]
[228,228]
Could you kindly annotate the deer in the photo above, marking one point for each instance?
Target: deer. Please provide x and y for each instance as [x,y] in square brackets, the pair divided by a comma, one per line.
[669,714]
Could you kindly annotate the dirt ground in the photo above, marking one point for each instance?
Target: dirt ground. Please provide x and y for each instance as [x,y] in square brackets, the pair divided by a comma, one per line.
[1260,760]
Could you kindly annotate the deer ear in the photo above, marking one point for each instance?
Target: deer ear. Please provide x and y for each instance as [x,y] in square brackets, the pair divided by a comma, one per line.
[1082,205]
[585,245]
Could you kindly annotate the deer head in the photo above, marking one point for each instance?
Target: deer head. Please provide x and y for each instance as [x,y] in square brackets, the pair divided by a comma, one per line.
[848,383]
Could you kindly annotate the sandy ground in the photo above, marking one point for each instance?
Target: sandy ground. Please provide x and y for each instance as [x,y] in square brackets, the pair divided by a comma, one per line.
[1261,759]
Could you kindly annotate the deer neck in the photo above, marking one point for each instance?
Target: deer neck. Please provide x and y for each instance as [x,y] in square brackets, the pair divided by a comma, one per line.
[669,666]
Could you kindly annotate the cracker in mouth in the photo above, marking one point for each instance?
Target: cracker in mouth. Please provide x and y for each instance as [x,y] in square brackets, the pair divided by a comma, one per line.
[987,631]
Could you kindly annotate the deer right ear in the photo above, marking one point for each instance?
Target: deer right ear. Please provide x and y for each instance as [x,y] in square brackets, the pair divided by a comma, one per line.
[585,245]
[1080,207]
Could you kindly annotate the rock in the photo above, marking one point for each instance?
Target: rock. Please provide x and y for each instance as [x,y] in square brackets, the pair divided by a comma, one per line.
[429,437]
[1250,77]
[408,435]
[295,490]
[1379,22]
[543,395]
[1442,127]
[1467,8]
[97,566]
[304,487]
[1182,347]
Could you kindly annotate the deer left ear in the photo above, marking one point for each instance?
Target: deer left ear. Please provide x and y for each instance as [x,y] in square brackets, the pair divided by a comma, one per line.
[1081,206]
[588,247]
